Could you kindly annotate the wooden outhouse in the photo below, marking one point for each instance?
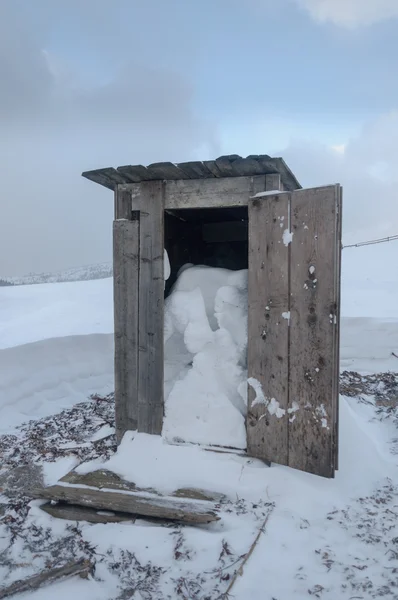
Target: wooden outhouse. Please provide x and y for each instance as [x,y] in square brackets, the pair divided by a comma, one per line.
[237,213]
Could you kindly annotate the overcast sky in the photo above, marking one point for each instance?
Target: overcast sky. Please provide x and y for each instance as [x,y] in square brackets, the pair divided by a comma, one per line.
[92,83]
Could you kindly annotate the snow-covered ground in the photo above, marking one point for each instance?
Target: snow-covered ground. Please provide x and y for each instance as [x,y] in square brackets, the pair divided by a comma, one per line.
[86,273]
[326,539]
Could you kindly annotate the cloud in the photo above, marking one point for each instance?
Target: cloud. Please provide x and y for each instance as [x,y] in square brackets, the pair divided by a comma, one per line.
[367,171]
[55,124]
[351,13]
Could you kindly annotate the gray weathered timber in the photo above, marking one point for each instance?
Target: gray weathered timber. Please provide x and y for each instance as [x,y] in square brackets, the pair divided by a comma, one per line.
[107,479]
[313,326]
[126,257]
[135,504]
[268,327]
[150,203]
[123,207]
[225,166]
[70,512]
[273,182]
[212,193]
[108,177]
[136,173]
[167,170]
[339,215]
[81,567]
[195,170]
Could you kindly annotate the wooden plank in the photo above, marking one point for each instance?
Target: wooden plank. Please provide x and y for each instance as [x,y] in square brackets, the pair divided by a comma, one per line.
[151,308]
[227,231]
[226,165]
[166,170]
[195,170]
[81,567]
[336,391]
[108,177]
[107,479]
[123,205]
[126,259]
[268,328]
[134,173]
[313,327]
[211,193]
[273,182]
[246,167]
[70,512]
[135,504]
[211,165]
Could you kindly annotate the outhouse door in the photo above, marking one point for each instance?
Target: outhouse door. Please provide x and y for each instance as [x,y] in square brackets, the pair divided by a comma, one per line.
[293,328]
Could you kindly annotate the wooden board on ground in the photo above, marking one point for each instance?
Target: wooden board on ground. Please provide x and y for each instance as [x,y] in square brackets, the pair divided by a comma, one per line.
[71,512]
[81,567]
[102,478]
[268,326]
[136,504]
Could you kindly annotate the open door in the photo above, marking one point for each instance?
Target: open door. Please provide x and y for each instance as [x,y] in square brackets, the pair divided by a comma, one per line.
[293,328]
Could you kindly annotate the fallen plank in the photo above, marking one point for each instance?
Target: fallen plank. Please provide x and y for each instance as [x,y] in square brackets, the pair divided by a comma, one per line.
[143,505]
[70,512]
[80,567]
[102,478]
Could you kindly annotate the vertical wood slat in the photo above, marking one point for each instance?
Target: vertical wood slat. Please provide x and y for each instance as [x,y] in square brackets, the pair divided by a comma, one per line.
[123,204]
[151,311]
[268,299]
[125,287]
[313,330]
[273,182]
[339,215]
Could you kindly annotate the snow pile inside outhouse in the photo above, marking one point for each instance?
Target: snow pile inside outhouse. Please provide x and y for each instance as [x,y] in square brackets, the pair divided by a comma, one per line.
[206,357]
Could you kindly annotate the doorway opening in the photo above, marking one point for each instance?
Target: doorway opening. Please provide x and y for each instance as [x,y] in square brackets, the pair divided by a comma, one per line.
[205,384]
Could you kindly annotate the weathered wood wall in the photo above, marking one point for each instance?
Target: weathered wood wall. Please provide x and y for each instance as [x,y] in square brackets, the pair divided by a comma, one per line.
[294,301]
[138,308]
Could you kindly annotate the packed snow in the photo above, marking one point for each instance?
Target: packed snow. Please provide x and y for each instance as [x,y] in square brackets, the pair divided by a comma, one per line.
[205,357]
[318,538]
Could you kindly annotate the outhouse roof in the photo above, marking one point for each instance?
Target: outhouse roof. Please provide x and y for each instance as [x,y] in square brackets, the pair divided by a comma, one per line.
[224,166]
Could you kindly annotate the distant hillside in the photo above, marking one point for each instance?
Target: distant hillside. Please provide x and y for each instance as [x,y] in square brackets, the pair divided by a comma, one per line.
[100,271]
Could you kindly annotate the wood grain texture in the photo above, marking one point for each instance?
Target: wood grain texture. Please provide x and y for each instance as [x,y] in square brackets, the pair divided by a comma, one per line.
[108,177]
[107,479]
[313,327]
[134,173]
[273,182]
[195,170]
[166,170]
[123,205]
[212,193]
[135,504]
[339,216]
[151,307]
[224,166]
[268,291]
[126,258]
[81,567]
[70,512]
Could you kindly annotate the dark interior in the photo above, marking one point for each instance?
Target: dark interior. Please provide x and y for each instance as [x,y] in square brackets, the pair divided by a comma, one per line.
[216,237]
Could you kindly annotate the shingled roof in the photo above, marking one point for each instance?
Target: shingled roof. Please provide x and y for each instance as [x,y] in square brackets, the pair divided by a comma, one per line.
[225,166]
